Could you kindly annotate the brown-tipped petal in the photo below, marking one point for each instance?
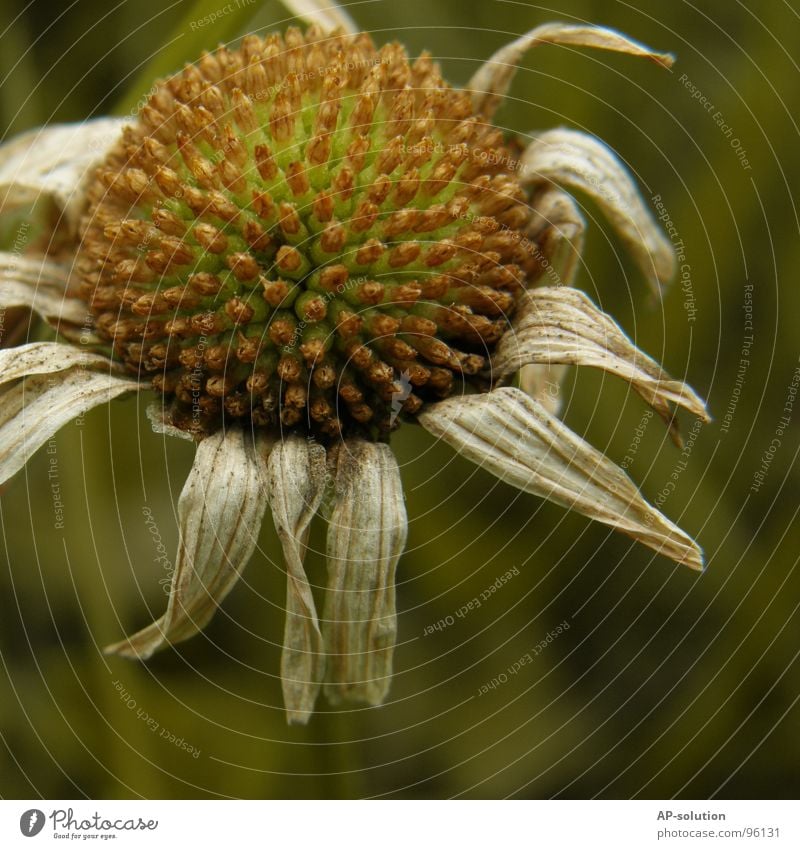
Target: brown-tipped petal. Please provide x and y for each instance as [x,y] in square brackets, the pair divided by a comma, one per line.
[516,439]
[51,163]
[580,162]
[38,406]
[491,81]
[296,474]
[49,357]
[219,516]
[326,14]
[563,326]
[366,536]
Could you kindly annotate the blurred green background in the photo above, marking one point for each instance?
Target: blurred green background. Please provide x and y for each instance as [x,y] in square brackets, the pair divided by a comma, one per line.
[667,683]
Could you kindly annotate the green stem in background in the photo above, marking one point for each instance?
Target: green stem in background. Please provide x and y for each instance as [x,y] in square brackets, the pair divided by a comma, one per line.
[339,776]
[205,24]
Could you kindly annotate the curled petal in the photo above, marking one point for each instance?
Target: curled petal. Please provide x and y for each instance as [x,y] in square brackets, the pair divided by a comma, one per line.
[219,516]
[326,14]
[516,439]
[557,229]
[576,161]
[161,422]
[366,536]
[563,326]
[543,384]
[40,286]
[34,409]
[51,163]
[491,81]
[296,475]
[46,358]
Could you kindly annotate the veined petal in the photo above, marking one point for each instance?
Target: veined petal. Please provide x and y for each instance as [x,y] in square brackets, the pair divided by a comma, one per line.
[326,14]
[219,516]
[366,536]
[296,475]
[40,286]
[516,439]
[52,162]
[491,81]
[557,229]
[38,406]
[48,357]
[562,325]
[580,162]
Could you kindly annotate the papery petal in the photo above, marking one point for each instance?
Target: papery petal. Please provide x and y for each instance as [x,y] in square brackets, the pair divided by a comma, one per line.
[563,326]
[580,162]
[219,515]
[516,439]
[40,286]
[52,162]
[49,357]
[326,14]
[491,81]
[557,229]
[37,407]
[296,475]
[366,536]
[161,422]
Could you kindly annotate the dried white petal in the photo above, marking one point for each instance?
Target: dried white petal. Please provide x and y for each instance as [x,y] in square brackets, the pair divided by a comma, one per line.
[40,286]
[326,14]
[48,357]
[38,406]
[579,162]
[52,162]
[516,439]
[296,475]
[366,536]
[563,326]
[219,516]
[162,424]
[491,81]
[543,384]
[557,229]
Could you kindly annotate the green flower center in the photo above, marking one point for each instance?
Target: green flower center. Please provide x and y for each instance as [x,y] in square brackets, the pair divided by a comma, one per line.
[307,233]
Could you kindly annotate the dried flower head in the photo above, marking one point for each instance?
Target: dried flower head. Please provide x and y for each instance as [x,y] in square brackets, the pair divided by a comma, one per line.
[299,244]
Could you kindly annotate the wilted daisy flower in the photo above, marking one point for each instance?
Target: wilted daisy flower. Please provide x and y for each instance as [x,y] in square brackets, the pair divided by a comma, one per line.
[299,245]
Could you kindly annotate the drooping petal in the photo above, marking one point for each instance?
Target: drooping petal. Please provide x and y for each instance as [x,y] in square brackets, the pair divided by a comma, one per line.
[326,14]
[557,229]
[219,515]
[491,81]
[562,325]
[366,536]
[47,358]
[37,407]
[40,286]
[516,439]
[296,475]
[580,162]
[51,163]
